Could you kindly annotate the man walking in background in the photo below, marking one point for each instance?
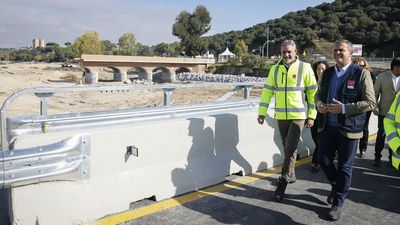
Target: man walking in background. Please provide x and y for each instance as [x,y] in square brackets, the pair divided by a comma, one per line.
[344,95]
[294,85]
[386,86]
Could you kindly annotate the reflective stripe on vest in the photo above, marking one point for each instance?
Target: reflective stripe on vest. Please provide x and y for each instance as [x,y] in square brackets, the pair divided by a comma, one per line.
[262,104]
[390,116]
[291,110]
[395,155]
[266,86]
[311,87]
[391,136]
[289,89]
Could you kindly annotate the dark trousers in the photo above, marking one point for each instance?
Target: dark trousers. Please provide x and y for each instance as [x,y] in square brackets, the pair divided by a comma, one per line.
[290,131]
[380,140]
[331,140]
[315,137]
[364,140]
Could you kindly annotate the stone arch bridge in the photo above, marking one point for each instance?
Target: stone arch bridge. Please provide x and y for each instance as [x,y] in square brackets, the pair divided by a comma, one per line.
[143,67]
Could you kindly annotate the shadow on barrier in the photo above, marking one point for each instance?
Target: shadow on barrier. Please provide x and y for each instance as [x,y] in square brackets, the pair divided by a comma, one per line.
[220,149]
[211,153]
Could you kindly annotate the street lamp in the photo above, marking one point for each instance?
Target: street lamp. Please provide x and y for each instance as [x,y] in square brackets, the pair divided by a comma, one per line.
[267,42]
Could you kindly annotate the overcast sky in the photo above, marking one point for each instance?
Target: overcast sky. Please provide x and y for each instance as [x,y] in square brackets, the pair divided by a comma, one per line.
[149,20]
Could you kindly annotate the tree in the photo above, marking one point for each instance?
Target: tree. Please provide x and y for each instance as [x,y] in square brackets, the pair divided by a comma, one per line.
[241,49]
[127,44]
[190,27]
[144,50]
[108,46]
[88,43]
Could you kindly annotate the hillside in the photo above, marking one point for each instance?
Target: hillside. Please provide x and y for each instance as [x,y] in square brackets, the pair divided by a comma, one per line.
[373,23]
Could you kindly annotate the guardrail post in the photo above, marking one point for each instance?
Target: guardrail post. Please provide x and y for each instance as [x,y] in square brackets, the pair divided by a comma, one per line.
[247,91]
[44,99]
[167,95]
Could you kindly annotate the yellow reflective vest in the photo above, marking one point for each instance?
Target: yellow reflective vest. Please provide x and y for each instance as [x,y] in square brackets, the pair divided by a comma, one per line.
[391,124]
[294,91]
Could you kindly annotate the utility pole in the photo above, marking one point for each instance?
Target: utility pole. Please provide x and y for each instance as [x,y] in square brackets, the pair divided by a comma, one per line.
[266,43]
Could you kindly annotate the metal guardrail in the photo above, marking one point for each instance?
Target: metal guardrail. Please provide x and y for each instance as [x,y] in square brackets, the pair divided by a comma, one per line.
[61,160]
[31,165]
[45,93]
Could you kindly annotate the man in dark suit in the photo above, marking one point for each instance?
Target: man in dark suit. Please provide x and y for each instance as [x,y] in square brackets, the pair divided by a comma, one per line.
[346,92]
[386,87]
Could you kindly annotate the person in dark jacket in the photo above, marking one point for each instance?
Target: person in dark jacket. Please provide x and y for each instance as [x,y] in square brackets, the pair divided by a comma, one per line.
[318,68]
[344,95]
[364,140]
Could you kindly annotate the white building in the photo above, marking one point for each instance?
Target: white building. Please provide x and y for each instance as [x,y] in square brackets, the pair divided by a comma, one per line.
[38,43]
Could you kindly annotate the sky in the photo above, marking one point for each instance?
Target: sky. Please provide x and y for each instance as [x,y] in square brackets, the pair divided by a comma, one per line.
[150,21]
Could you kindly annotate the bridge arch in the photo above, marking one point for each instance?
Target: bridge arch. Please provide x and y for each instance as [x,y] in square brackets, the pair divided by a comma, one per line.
[182,70]
[137,73]
[162,75]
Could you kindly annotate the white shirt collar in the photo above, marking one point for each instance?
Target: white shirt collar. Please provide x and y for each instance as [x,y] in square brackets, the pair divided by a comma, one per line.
[340,72]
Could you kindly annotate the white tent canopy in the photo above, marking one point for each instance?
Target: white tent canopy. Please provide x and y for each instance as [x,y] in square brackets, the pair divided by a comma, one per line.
[225,56]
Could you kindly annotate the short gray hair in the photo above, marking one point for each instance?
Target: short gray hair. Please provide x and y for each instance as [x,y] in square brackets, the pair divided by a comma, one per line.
[289,42]
[349,43]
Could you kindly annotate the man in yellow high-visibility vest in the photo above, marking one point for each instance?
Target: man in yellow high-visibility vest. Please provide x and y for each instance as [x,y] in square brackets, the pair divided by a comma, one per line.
[392,130]
[294,85]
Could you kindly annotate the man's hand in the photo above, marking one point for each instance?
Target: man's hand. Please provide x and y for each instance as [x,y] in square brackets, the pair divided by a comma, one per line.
[321,107]
[309,123]
[335,107]
[260,119]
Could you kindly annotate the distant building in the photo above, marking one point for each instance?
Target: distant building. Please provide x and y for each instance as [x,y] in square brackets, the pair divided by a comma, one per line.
[208,56]
[38,43]
[225,56]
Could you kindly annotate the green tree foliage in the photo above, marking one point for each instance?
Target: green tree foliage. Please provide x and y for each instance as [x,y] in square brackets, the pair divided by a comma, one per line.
[190,27]
[127,44]
[108,47]
[373,23]
[144,50]
[241,49]
[88,43]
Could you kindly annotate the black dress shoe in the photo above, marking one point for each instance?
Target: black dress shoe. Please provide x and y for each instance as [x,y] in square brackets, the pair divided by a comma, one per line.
[377,162]
[361,154]
[315,168]
[291,181]
[280,190]
[334,213]
[331,196]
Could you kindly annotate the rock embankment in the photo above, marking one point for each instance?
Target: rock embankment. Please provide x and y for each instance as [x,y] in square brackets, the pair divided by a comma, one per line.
[222,78]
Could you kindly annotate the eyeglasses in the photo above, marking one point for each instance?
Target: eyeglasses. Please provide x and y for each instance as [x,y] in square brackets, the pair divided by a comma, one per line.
[341,50]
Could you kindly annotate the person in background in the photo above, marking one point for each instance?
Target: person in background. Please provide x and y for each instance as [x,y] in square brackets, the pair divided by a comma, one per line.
[318,68]
[364,140]
[392,130]
[386,86]
[290,80]
[345,93]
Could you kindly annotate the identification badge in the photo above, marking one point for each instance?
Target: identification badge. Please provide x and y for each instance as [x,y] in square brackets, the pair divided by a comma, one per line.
[350,84]
[294,76]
